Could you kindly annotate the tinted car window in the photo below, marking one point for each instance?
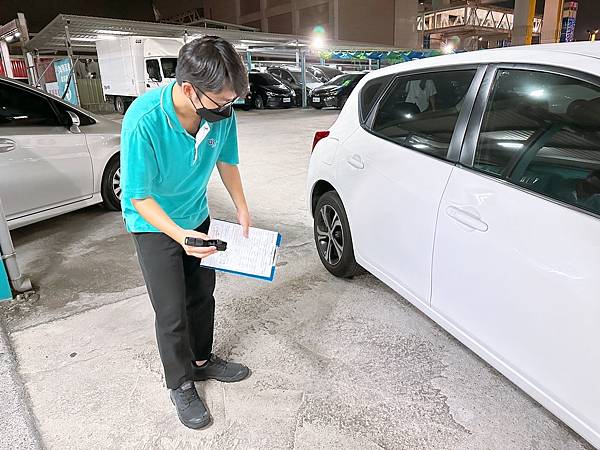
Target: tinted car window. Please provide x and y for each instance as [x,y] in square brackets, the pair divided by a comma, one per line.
[153,69]
[370,93]
[420,111]
[541,131]
[21,107]
[345,80]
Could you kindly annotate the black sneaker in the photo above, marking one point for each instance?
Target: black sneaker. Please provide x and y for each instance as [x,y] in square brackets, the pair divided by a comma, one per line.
[190,408]
[217,369]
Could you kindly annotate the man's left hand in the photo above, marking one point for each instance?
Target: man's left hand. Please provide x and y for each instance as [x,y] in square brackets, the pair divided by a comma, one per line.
[244,220]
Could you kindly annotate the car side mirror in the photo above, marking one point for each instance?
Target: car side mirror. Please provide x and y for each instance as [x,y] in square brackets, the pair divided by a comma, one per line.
[75,122]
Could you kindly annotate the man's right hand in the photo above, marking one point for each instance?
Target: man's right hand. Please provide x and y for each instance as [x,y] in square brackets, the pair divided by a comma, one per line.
[198,252]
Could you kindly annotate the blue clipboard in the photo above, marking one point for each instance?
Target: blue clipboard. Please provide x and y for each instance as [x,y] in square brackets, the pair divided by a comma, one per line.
[257,277]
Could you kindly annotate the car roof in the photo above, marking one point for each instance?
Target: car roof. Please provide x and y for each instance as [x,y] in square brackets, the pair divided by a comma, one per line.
[47,94]
[564,54]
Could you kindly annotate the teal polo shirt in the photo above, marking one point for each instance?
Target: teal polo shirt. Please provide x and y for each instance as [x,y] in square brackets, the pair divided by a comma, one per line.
[160,159]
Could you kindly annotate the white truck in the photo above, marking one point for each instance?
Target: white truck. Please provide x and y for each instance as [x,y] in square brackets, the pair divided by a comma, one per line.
[130,66]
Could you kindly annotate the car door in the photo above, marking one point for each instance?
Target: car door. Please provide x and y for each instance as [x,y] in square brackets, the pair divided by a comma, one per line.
[43,164]
[392,174]
[517,249]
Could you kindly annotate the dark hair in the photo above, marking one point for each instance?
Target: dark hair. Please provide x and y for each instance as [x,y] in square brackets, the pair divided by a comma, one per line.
[212,64]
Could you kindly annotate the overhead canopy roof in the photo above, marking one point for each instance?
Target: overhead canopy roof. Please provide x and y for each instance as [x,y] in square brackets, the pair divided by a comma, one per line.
[84,31]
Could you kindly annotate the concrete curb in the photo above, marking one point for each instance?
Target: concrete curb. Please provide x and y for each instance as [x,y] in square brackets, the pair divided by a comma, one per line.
[17,423]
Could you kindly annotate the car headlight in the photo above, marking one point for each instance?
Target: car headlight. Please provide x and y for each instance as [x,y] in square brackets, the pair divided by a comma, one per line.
[270,94]
[293,93]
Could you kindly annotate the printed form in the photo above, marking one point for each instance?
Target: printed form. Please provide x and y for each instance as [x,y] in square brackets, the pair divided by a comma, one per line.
[253,256]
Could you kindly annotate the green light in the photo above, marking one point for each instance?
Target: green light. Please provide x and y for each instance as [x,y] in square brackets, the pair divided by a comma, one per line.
[319,29]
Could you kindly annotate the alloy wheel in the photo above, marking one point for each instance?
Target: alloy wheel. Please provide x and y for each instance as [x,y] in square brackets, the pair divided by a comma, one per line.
[330,235]
[116,183]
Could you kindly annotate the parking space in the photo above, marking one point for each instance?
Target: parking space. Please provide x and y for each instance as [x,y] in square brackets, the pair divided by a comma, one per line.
[336,363]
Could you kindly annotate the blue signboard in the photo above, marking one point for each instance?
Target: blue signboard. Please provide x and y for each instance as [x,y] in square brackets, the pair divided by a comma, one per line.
[63,70]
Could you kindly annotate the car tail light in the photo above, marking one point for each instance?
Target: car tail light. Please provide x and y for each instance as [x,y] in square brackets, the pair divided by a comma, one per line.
[318,136]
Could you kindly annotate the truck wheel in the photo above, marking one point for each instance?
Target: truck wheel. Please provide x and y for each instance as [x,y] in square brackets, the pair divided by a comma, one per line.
[111,184]
[120,105]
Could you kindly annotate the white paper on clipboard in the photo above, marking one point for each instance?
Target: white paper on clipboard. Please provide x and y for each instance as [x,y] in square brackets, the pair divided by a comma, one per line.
[254,256]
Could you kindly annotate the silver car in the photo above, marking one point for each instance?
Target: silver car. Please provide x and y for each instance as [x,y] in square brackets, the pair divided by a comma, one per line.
[54,157]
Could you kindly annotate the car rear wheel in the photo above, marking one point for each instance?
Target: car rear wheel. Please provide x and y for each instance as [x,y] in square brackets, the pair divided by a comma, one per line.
[111,185]
[332,236]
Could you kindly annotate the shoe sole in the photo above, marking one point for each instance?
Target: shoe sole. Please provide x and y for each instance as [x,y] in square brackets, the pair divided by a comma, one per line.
[234,379]
[199,426]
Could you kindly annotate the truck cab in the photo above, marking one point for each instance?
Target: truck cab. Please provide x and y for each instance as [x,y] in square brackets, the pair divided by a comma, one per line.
[131,66]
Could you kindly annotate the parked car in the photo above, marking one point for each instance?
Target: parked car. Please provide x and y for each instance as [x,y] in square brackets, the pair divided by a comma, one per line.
[54,157]
[292,77]
[267,91]
[335,93]
[324,73]
[470,184]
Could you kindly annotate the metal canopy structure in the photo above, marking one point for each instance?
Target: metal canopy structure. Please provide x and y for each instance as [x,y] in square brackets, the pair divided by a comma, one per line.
[78,34]
[471,17]
[84,31]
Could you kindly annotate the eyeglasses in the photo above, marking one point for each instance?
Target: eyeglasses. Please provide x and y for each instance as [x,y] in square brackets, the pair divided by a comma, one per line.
[220,108]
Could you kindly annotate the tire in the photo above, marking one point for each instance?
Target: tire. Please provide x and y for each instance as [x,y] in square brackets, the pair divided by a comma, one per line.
[111,185]
[259,103]
[246,107]
[120,105]
[332,236]
[318,107]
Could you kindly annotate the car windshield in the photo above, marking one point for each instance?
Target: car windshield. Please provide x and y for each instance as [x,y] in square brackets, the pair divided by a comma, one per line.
[264,79]
[344,80]
[310,78]
[168,66]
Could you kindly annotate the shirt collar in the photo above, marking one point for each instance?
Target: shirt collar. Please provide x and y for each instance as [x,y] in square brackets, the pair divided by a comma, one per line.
[168,108]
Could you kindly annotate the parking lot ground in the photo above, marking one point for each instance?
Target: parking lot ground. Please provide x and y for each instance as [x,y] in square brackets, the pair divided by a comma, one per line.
[337,364]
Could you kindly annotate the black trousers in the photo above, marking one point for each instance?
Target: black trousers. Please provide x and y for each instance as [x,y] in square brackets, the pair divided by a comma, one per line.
[181,292]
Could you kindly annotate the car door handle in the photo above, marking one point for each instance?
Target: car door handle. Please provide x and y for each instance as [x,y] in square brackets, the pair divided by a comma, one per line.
[7,145]
[356,162]
[466,218]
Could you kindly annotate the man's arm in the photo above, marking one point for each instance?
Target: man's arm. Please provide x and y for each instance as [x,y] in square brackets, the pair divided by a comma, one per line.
[151,211]
[230,175]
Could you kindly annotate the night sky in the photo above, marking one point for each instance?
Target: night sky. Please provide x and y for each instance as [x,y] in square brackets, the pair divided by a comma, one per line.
[40,12]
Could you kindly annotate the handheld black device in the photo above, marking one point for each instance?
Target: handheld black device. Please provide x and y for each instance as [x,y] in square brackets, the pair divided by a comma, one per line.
[220,245]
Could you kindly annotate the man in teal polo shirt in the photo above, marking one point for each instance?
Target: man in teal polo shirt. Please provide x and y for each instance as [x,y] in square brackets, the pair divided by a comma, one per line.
[172,139]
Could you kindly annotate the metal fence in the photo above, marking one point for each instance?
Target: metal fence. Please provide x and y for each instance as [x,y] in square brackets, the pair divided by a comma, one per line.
[91,96]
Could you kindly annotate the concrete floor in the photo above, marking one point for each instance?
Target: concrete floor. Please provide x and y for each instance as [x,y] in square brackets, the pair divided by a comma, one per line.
[337,364]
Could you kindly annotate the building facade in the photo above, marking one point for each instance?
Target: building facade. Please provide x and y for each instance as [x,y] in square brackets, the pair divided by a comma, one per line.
[383,22]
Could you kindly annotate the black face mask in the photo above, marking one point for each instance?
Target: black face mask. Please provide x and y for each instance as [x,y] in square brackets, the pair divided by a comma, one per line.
[215,114]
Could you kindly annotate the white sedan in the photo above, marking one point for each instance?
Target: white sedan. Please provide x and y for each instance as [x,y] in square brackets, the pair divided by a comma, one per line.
[54,158]
[470,184]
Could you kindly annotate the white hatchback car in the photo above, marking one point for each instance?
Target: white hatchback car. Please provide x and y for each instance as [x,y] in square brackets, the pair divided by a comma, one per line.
[54,157]
[470,184]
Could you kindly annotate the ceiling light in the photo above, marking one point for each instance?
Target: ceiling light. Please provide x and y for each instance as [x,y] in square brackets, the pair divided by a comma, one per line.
[511,145]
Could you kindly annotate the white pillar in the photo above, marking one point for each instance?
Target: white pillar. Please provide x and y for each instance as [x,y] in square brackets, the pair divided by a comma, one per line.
[552,21]
[523,24]
[5,57]
[405,25]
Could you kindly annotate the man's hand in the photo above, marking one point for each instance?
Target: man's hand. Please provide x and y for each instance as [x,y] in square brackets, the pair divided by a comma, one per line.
[244,220]
[198,252]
